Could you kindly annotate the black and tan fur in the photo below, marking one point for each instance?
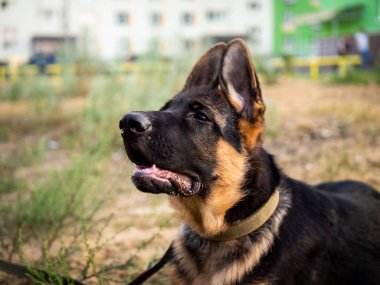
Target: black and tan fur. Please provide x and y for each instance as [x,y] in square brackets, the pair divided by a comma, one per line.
[210,133]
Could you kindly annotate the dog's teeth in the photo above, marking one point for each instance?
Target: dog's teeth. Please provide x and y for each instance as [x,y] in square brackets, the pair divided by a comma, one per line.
[122,131]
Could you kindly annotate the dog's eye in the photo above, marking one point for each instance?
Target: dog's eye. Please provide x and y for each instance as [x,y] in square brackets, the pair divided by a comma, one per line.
[201,116]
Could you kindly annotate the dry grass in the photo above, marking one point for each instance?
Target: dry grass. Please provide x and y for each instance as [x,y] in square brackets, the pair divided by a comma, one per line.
[317,132]
[326,132]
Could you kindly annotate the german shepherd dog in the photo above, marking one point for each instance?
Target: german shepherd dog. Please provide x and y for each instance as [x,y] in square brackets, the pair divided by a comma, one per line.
[245,221]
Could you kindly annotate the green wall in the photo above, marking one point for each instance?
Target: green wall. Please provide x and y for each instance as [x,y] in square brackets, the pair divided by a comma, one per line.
[303,36]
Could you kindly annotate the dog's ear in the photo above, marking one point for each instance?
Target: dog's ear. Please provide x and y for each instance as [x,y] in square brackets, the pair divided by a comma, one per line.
[240,82]
[206,71]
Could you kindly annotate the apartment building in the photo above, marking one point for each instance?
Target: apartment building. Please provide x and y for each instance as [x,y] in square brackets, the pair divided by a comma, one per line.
[315,27]
[119,29]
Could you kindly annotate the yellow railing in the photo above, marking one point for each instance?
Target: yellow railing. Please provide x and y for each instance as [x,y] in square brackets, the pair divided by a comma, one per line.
[342,62]
[57,70]
[15,72]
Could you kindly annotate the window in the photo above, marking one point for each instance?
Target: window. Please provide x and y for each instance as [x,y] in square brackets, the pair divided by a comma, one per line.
[189,44]
[156,19]
[48,13]
[122,18]
[288,45]
[123,43]
[315,3]
[287,18]
[123,47]
[254,5]
[8,44]
[4,4]
[62,14]
[9,37]
[216,15]
[187,19]
[255,33]
[289,2]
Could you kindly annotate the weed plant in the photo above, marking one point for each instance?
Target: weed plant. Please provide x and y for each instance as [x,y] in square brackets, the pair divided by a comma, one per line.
[49,213]
[358,77]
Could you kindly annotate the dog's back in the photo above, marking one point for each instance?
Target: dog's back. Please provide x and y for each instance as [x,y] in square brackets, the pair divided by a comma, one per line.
[331,235]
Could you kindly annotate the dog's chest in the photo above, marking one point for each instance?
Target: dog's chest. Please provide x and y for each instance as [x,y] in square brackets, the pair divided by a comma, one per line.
[197,261]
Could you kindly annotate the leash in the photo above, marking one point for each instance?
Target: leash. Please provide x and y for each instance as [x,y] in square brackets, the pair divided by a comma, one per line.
[23,271]
[252,223]
[149,272]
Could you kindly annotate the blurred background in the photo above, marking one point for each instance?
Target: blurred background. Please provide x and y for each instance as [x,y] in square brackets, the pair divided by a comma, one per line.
[122,30]
[70,69]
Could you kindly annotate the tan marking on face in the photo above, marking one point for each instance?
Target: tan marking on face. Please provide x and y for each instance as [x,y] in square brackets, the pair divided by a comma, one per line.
[251,132]
[206,215]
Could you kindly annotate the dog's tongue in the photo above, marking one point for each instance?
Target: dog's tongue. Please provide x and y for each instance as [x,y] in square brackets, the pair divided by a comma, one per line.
[182,182]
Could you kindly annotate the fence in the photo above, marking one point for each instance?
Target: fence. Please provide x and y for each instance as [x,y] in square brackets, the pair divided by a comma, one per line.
[314,64]
[57,70]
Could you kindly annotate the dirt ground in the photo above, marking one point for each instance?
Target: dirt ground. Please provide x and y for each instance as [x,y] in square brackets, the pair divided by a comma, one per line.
[317,132]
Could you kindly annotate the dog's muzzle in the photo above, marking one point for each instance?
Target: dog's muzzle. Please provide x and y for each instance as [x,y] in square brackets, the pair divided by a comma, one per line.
[136,130]
[136,123]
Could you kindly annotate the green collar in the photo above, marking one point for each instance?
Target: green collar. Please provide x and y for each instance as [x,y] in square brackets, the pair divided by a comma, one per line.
[252,223]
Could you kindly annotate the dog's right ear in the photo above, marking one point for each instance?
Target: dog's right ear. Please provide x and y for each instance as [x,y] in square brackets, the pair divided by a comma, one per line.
[240,83]
[206,71]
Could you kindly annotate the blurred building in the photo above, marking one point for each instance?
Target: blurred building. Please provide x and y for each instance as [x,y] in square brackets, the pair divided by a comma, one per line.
[120,29]
[34,27]
[315,27]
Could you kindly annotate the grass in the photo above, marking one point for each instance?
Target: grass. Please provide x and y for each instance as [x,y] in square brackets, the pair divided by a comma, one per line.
[358,77]
[54,181]
[66,200]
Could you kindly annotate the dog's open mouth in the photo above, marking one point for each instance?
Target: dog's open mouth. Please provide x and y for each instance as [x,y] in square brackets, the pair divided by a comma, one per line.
[153,179]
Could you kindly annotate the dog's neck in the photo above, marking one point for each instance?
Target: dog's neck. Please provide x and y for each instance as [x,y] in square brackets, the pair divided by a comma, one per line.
[220,262]
[208,219]
[261,180]
[252,223]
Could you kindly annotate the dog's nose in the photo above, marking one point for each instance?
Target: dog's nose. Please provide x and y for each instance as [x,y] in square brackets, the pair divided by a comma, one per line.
[135,122]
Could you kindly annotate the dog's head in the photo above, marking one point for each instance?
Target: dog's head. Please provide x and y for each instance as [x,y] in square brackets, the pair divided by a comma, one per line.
[196,147]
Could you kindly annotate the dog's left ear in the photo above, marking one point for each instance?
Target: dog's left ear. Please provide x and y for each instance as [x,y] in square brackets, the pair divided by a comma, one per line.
[239,81]
[207,69]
